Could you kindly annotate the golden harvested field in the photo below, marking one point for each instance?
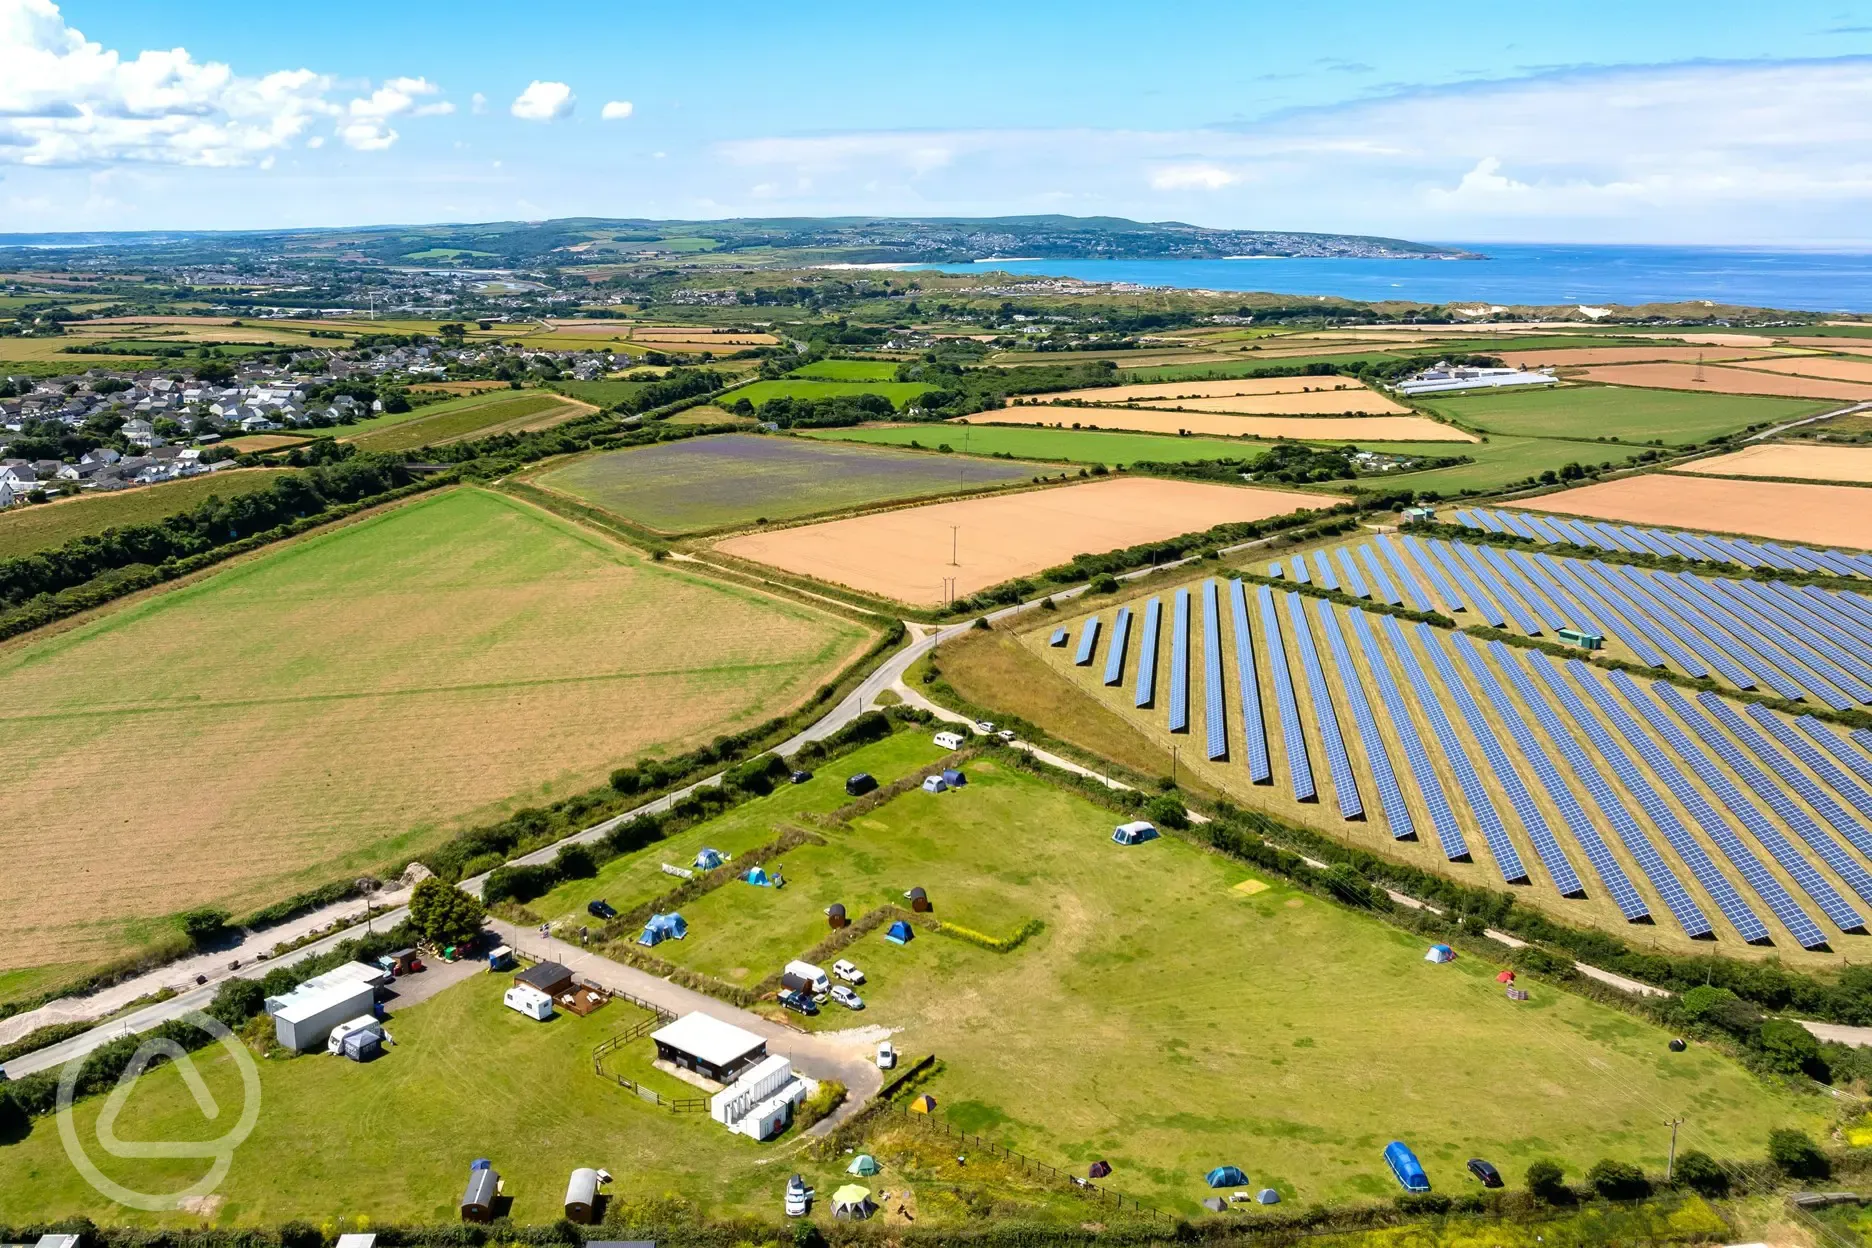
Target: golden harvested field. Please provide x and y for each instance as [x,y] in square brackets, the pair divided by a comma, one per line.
[1152,391]
[905,555]
[337,704]
[1826,515]
[1719,380]
[1778,459]
[1578,357]
[264,442]
[1317,403]
[1305,428]
[458,387]
[1831,367]
[1851,346]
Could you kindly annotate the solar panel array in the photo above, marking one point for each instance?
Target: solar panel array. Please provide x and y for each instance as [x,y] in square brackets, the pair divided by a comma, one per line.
[1423,771]
[1293,736]
[1215,714]
[1589,535]
[1088,638]
[1507,857]
[1147,653]
[1115,649]
[1179,662]
[1338,765]
[1377,757]
[1254,731]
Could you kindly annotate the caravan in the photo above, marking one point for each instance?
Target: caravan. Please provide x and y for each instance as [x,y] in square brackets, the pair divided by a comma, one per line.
[948,740]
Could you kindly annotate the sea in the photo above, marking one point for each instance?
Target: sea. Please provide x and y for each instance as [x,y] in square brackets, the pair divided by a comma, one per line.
[1513,273]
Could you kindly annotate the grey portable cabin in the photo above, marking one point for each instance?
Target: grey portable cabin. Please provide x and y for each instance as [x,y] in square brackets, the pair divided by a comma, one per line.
[581,1199]
[477,1203]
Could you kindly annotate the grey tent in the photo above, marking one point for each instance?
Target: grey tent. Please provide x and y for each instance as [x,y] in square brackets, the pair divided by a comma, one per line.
[1215,1204]
[954,779]
[1267,1196]
[1099,1169]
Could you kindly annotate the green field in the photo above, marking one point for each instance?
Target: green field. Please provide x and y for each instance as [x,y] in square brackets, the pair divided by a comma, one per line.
[1061,445]
[898,392]
[1674,417]
[715,482]
[472,416]
[24,530]
[380,683]
[1498,461]
[1249,364]
[848,370]
[601,393]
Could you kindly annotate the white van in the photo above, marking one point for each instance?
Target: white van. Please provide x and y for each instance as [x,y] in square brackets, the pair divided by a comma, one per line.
[529,1001]
[948,740]
[820,982]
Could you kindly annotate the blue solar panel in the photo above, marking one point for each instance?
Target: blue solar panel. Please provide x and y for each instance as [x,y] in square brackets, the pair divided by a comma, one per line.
[1543,531]
[1115,650]
[1293,738]
[1543,613]
[1323,571]
[1564,572]
[1651,594]
[1612,591]
[1466,585]
[1088,638]
[1407,583]
[1732,801]
[1179,661]
[1675,896]
[1847,648]
[1780,670]
[1689,851]
[1571,610]
[1643,540]
[1485,567]
[1507,857]
[1381,584]
[1793,637]
[1729,635]
[1147,653]
[1445,589]
[1058,638]
[1345,787]
[1519,525]
[1480,804]
[1571,533]
[1299,567]
[1830,741]
[1390,796]
[1349,573]
[1215,713]
[1274,570]
[1423,771]
[1487,520]
[1764,787]
[1254,731]
[1829,772]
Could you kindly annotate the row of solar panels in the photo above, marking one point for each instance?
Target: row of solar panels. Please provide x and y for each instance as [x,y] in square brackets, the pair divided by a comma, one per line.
[1633,539]
[1602,732]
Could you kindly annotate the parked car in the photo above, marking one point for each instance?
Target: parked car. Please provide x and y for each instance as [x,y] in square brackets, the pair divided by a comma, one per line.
[846,997]
[799,1003]
[1489,1175]
[860,784]
[798,1197]
[601,909]
[847,972]
[1006,734]
[984,727]
[800,777]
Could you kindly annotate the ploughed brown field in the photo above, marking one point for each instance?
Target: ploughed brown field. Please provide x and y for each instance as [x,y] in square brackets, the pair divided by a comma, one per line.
[1823,515]
[1580,357]
[1828,366]
[1815,463]
[906,555]
[1227,425]
[1720,380]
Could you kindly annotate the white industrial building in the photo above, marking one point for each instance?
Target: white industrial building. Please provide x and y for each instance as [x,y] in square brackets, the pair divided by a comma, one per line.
[760,1103]
[1444,378]
[303,1018]
[717,1051]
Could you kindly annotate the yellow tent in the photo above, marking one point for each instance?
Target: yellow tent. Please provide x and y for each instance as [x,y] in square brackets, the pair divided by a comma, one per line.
[925,1104]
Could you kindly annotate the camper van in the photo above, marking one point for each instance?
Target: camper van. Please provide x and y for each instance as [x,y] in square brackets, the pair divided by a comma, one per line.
[335,1043]
[820,982]
[948,740]
[529,1001]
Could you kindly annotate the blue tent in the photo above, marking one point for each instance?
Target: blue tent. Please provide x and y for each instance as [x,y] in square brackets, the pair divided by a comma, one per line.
[900,933]
[758,878]
[662,927]
[1227,1176]
[1134,833]
[1405,1167]
[708,860]
[1440,953]
[954,779]
[1267,1196]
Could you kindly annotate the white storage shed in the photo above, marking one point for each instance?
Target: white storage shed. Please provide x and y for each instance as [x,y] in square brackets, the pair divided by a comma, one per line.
[304,1020]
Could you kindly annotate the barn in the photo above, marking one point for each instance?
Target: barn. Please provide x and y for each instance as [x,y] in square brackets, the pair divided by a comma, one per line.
[711,1048]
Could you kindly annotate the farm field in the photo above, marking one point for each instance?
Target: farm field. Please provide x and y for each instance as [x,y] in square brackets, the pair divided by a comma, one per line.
[331,700]
[1556,847]
[1721,380]
[1359,429]
[1580,357]
[898,392]
[601,393]
[479,417]
[1498,461]
[1178,390]
[1060,445]
[264,442]
[1774,459]
[1622,412]
[848,370]
[735,479]
[1240,1057]
[633,879]
[1829,366]
[905,555]
[1825,515]
[708,415]
[24,530]
[1222,366]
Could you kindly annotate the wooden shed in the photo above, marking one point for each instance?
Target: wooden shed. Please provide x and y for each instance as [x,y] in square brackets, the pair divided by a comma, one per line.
[919,900]
[551,978]
[835,915]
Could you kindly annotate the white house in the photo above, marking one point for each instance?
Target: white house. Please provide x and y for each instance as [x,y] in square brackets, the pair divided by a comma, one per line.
[141,432]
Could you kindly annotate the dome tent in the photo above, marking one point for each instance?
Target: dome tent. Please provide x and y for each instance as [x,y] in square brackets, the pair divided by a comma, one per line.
[1226,1176]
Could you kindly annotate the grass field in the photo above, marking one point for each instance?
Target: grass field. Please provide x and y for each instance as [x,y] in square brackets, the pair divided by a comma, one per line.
[715,482]
[24,530]
[1250,363]
[1059,445]
[475,416]
[1497,461]
[1674,417]
[848,370]
[601,393]
[898,392]
[340,702]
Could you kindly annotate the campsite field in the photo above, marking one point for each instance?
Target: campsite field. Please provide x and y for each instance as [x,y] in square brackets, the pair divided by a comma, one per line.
[341,702]
[474,416]
[1780,459]
[1673,417]
[716,482]
[1827,515]
[1077,446]
[905,555]
[24,530]
[898,392]
[1360,429]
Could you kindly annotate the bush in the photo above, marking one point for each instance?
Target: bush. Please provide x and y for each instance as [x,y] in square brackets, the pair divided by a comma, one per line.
[1166,811]
[236,1001]
[1618,1180]
[1789,1048]
[203,924]
[830,1096]
[1698,1171]
[519,884]
[444,915]
[301,1235]
[575,862]
[1547,1181]
[1797,1155]
[1104,583]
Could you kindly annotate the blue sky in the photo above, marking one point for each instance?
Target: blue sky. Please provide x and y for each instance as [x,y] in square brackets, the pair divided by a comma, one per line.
[1653,122]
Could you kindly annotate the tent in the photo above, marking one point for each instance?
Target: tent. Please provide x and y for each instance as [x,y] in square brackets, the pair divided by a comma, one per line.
[709,859]
[919,900]
[852,1201]
[925,1104]
[1506,977]
[1134,833]
[1440,953]
[954,779]
[1099,1169]
[662,927]
[1408,1171]
[900,933]
[1227,1176]
[1267,1196]
[935,784]
[758,877]
[1215,1204]
[835,914]
[864,1164]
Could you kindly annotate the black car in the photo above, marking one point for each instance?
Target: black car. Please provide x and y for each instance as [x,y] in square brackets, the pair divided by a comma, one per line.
[860,784]
[799,1003]
[1490,1176]
[601,909]
[800,777]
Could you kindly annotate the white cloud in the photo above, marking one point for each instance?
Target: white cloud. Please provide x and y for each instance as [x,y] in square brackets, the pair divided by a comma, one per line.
[478,103]
[544,101]
[65,100]
[617,110]
[1200,177]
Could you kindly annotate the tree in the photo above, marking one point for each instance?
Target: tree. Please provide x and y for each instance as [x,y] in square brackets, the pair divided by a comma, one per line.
[1719,1007]
[443,914]
[1618,1180]
[203,924]
[1166,811]
[1698,1171]
[236,1001]
[575,862]
[1797,1155]
[1547,1181]
[1789,1047]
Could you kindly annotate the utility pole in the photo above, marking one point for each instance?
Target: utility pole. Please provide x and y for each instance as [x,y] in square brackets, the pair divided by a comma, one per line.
[1671,1164]
[955,542]
[1173,766]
